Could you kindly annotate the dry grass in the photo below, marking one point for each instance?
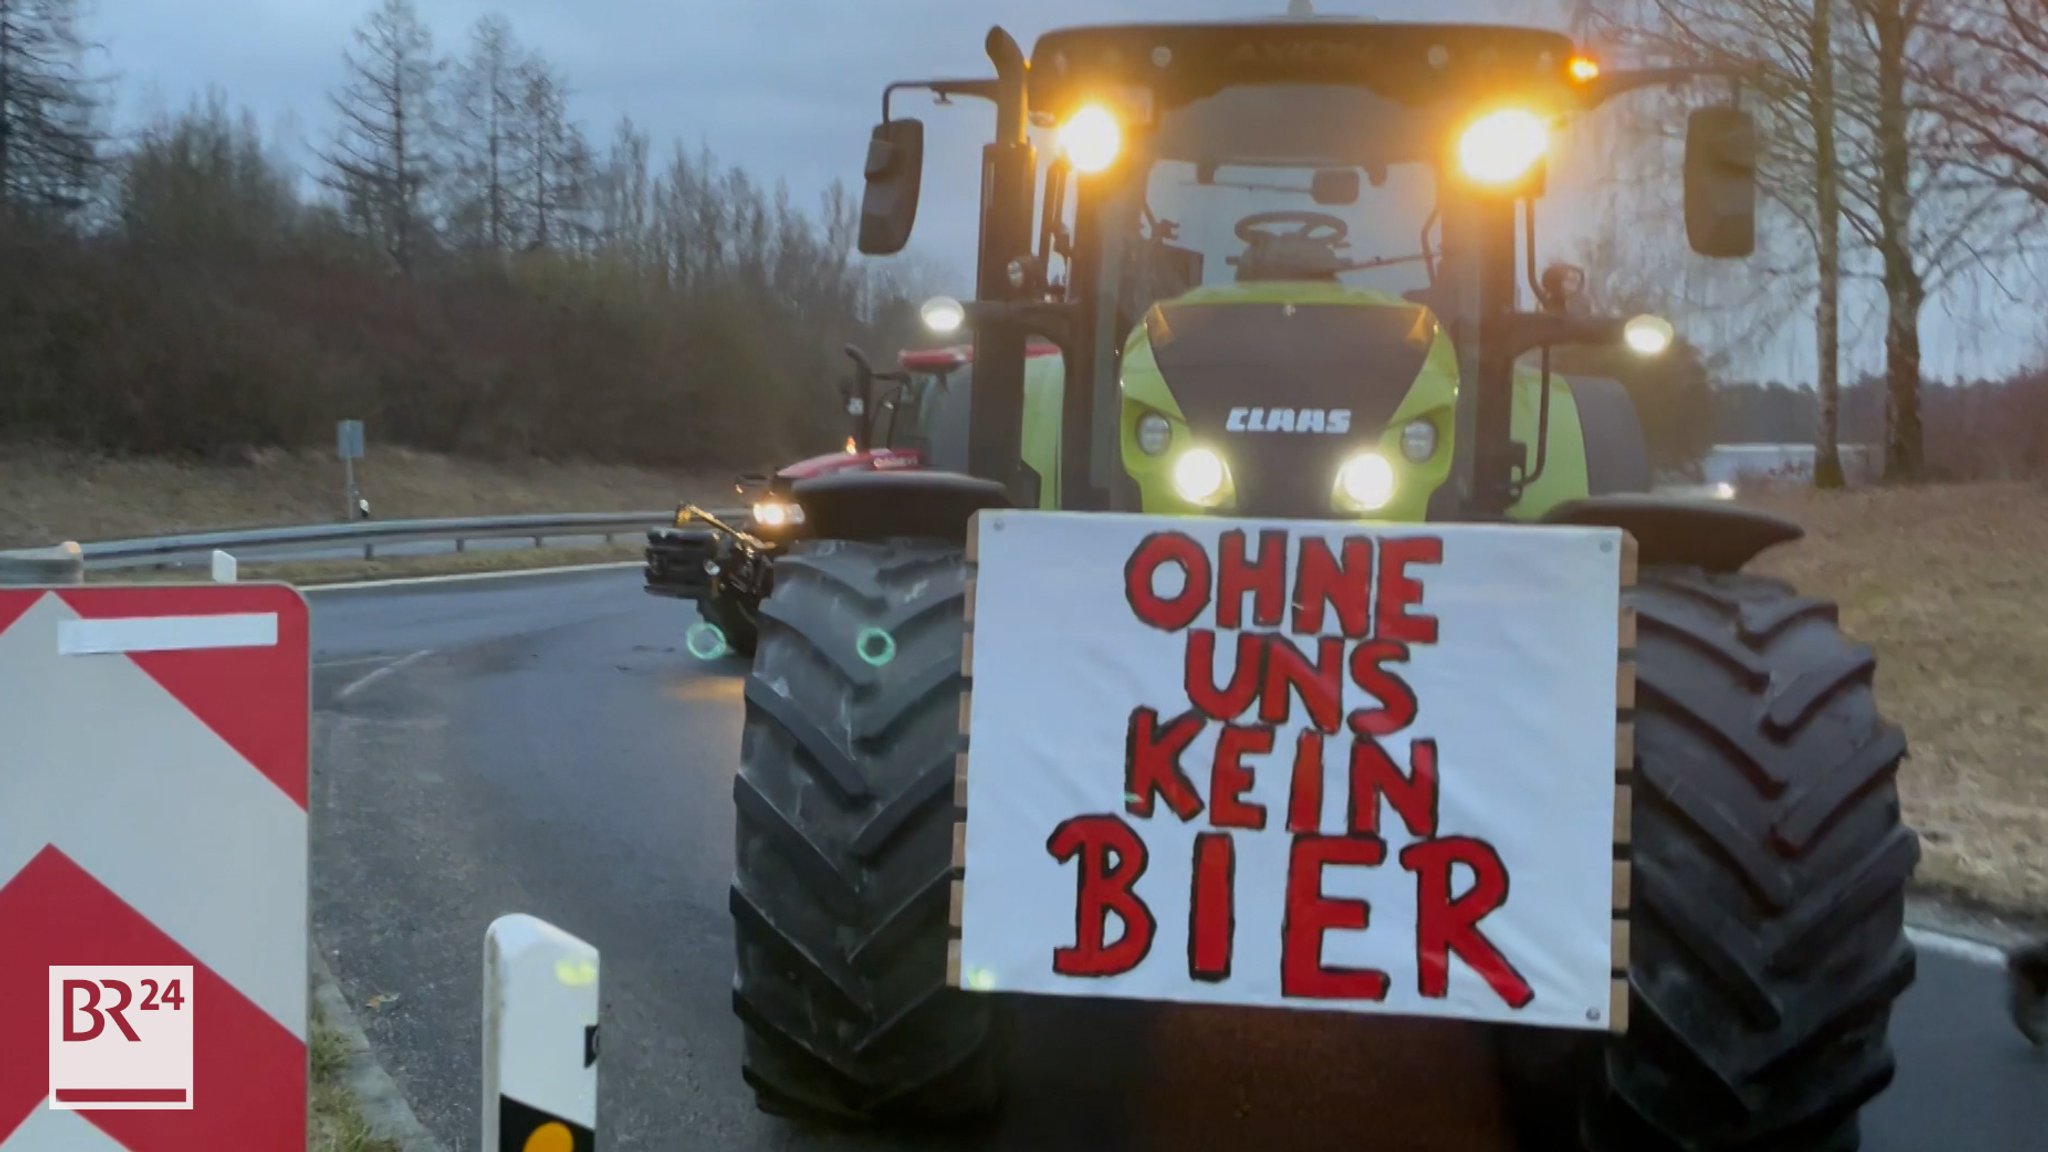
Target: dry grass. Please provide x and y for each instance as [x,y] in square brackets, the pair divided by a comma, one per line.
[48,496]
[335,1124]
[1950,585]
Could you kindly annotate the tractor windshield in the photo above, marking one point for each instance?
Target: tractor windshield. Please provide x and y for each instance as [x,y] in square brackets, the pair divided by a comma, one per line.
[1274,183]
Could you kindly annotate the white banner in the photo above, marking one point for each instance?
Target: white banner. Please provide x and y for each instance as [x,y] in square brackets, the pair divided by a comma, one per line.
[1294,764]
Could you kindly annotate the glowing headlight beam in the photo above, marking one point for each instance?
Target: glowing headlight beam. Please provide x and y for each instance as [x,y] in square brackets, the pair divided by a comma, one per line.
[1367,480]
[777,514]
[1091,139]
[1501,147]
[1199,475]
[1648,335]
[942,314]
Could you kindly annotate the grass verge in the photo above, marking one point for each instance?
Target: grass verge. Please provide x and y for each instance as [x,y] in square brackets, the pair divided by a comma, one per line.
[1949,584]
[54,496]
[336,1124]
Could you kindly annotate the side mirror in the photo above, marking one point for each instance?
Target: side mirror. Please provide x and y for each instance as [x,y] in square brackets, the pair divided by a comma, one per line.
[894,176]
[1720,182]
[1334,186]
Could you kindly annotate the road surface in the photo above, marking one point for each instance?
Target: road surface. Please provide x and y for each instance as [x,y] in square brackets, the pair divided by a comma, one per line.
[546,745]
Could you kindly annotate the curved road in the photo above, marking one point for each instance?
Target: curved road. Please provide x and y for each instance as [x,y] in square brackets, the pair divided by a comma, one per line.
[546,745]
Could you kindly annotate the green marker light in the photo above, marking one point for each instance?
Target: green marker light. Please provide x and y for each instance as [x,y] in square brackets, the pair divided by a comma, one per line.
[706,641]
[876,647]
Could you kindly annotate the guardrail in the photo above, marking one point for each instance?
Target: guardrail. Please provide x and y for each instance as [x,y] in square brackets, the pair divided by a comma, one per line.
[312,541]
[316,541]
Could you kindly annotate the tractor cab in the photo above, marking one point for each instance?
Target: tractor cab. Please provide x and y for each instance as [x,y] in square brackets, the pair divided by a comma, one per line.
[1282,264]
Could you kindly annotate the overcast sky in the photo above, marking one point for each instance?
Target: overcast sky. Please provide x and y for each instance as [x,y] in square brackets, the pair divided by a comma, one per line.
[784,88]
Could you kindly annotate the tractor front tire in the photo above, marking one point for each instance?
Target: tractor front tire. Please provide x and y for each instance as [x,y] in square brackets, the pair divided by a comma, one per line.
[1767,941]
[844,847]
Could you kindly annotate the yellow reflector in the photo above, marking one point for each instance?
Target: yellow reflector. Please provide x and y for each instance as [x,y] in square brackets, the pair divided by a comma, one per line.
[551,1137]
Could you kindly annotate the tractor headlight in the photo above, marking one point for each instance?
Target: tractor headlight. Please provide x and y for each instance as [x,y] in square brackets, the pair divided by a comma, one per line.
[1501,147]
[1091,139]
[942,314]
[1155,435]
[1418,441]
[1366,481]
[777,514]
[1199,476]
[1648,335]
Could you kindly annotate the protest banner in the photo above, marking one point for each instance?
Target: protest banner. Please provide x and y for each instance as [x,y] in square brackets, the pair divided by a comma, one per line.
[1297,764]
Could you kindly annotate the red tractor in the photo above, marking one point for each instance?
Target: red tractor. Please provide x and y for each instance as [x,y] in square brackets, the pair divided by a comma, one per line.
[726,565]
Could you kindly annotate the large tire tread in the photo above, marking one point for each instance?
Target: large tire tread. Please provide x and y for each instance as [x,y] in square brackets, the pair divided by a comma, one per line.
[844,832]
[1771,864]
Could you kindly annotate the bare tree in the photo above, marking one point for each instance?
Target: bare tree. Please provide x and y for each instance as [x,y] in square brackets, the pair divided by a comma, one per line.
[1890,27]
[555,159]
[49,135]
[484,130]
[381,162]
[622,192]
[1787,49]
[2002,104]
[204,185]
[1859,145]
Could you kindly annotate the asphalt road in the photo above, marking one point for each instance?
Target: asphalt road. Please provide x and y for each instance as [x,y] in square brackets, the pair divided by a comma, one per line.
[546,745]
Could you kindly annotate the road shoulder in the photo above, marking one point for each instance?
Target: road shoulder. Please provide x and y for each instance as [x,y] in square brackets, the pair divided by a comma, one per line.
[379,1105]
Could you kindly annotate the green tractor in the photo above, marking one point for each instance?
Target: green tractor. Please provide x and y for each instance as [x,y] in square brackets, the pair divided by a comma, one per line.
[1282,263]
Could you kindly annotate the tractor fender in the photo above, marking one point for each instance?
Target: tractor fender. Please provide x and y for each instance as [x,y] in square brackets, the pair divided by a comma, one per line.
[1711,535]
[875,506]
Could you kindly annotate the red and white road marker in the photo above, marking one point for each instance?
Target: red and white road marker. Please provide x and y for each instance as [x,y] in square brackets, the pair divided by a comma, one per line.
[153,769]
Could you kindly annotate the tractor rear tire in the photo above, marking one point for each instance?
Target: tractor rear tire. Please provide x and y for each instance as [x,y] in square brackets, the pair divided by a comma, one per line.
[1767,941]
[841,898]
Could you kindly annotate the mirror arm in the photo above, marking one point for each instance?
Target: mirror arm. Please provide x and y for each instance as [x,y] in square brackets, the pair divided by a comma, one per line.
[1054,320]
[1527,331]
[943,89]
[1614,84]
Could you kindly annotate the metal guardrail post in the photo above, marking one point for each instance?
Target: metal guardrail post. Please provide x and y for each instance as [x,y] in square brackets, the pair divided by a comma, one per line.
[63,564]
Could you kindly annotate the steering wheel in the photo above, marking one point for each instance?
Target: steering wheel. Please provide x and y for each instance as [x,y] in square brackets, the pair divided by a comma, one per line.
[1318,227]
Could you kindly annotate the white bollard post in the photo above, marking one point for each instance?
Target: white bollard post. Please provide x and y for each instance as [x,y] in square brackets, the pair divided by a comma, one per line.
[540,1038]
[223,567]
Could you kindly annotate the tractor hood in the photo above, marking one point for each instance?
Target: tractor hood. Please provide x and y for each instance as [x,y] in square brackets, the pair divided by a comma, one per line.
[1287,381]
[878,460]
